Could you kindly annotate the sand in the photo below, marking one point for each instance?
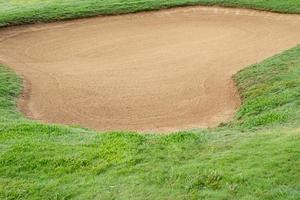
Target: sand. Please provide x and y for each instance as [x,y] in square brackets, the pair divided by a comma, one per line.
[155,71]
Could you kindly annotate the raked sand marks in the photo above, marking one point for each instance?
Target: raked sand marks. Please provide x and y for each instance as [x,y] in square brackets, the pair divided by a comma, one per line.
[161,71]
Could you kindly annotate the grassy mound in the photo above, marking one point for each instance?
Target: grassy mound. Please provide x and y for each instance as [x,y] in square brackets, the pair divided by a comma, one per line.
[256,156]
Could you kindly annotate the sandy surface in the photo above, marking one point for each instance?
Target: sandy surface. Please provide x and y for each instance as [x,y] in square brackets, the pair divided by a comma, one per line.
[155,71]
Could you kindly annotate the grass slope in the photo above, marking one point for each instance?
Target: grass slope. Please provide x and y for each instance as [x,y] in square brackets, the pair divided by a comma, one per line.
[14,12]
[256,156]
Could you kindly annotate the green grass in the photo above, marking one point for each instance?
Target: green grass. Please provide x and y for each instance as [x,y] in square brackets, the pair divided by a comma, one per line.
[270,91]
[14,12]
[256,156]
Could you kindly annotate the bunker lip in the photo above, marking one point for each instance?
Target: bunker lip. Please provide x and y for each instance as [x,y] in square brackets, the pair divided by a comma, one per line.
[156,71]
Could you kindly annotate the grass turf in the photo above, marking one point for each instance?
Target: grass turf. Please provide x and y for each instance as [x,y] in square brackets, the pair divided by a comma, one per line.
[15,12]
[256,156]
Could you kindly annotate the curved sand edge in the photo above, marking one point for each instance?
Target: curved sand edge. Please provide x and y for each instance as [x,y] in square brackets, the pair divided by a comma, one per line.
[163,71]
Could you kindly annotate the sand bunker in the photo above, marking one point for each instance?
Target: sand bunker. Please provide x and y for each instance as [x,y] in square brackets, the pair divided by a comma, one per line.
[164,70]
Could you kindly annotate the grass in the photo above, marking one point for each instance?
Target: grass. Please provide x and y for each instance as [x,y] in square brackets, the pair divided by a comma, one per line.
[256,156]
[13,12]
[270,91]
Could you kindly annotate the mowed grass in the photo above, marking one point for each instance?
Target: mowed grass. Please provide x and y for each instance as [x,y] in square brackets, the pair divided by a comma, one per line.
[13,12]
[255,156]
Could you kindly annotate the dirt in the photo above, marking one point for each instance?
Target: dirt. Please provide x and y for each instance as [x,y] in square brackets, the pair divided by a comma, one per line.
[154,71]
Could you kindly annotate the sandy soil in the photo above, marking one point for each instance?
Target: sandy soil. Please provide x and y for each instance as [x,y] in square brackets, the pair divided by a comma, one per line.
[154,71]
